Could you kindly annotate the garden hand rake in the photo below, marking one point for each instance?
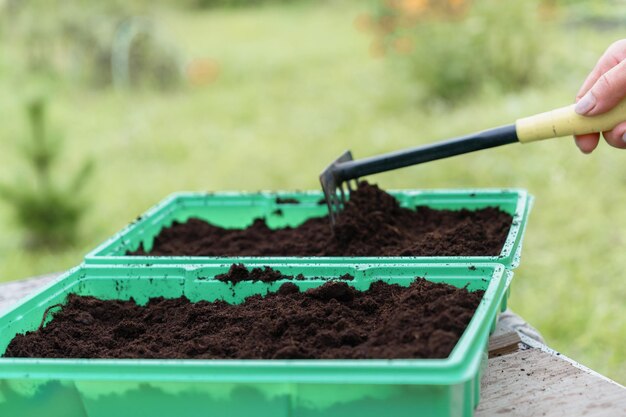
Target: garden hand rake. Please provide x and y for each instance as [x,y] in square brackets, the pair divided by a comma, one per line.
[564,121]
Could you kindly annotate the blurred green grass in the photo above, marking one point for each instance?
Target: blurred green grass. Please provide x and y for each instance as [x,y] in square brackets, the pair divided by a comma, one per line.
[297,86]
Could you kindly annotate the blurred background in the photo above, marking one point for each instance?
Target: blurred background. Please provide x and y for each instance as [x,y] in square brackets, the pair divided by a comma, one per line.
[106,107]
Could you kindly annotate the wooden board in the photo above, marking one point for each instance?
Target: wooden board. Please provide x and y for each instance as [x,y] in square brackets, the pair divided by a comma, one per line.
[533,382]
[504,343]
[12,292]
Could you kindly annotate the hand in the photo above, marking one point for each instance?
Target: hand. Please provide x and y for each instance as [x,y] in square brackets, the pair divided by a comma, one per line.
[604,87]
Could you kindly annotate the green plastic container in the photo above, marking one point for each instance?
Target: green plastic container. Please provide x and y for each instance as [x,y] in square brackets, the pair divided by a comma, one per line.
[245,388]
[238,210]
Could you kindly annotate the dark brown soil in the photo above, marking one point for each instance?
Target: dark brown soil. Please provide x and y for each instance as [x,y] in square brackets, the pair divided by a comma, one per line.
[238,273]
[424,320]
[372,224]
[281,200]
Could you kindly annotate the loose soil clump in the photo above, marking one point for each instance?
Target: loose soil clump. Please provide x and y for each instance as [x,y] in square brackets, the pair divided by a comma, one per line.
[238,273]
[371,224]
[333,321]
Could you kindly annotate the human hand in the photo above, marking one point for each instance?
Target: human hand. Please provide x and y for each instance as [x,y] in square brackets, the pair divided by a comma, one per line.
[604,88]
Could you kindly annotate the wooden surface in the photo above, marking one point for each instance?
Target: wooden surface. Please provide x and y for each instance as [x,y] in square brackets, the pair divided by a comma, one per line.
[523,378]
[534,382]
[12,292]
[526,378]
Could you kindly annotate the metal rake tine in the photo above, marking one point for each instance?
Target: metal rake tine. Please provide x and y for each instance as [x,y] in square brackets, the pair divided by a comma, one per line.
[330,182]
[335,207]
[348,190]
[342,193]
[331,216]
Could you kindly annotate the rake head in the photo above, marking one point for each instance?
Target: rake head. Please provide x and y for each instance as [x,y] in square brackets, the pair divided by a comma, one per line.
[335,187]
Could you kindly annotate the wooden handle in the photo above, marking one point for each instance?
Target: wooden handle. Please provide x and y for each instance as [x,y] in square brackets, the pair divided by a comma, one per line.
[565,122]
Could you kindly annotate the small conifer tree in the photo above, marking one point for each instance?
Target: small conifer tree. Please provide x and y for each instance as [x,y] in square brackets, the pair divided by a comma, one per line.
[47,209]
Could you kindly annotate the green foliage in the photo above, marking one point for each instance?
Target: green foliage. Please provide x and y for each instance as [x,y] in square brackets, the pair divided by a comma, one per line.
[601,15]
[454,53]
[50,213]
[141,59]
[92,43]
[236,3]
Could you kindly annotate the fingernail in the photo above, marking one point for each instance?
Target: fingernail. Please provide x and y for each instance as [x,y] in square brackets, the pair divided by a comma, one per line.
[585,104]
[624,137]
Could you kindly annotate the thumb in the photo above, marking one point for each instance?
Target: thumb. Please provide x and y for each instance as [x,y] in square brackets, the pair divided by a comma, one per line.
[606,93]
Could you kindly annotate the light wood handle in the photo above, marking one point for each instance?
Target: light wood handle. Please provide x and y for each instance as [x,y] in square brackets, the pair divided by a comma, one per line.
[565,122]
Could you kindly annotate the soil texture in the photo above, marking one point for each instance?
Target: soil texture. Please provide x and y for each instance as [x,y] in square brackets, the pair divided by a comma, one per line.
[371,224]
[333,321]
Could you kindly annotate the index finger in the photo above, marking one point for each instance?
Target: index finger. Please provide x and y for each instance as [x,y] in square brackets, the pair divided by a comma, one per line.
[609,59]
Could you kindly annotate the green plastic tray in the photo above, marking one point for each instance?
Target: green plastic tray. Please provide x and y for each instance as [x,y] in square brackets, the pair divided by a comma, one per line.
[238,210]
[245,388]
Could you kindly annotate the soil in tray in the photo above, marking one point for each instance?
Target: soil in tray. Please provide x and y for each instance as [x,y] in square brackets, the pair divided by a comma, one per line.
[333,321]
[371,224]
